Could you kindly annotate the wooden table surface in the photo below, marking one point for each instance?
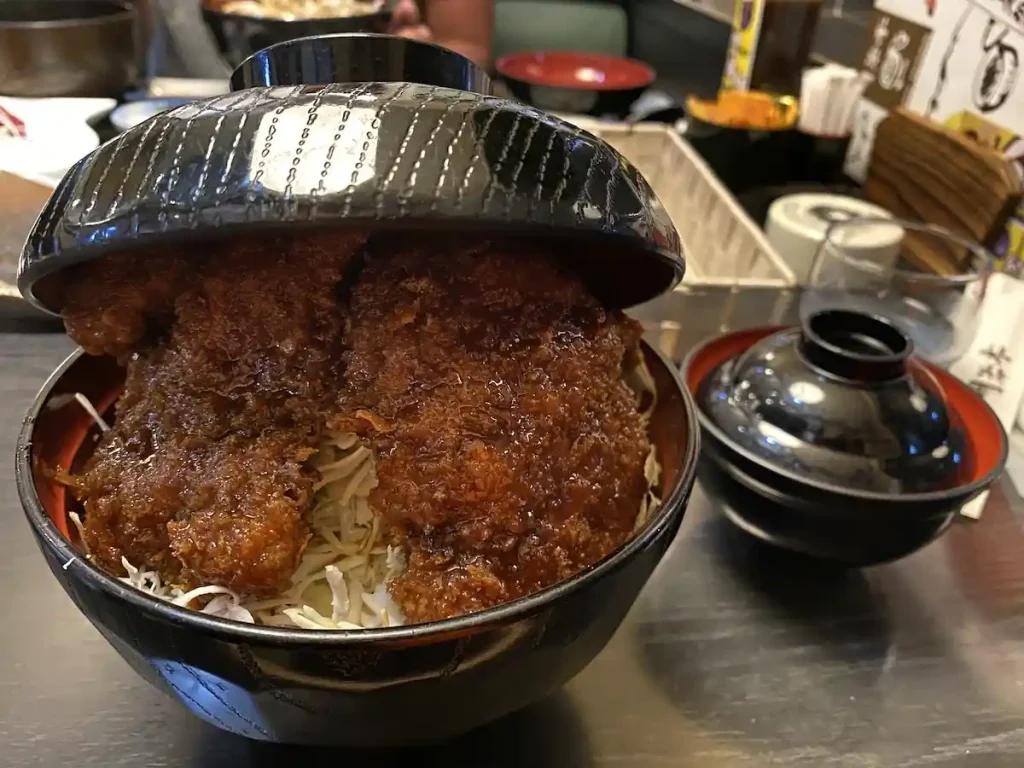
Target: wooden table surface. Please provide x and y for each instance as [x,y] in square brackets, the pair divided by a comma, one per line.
[20,203]
[736,655]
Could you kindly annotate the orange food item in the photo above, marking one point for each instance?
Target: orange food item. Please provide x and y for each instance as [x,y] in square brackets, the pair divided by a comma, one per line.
[752,110]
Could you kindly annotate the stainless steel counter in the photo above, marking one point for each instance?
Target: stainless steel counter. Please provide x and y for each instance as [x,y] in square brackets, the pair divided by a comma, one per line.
[735,655]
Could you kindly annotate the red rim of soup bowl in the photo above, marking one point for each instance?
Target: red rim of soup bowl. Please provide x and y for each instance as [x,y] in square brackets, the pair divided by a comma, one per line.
[561,69]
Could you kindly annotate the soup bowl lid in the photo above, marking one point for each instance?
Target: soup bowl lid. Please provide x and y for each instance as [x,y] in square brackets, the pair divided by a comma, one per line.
[383,155]
[841,403]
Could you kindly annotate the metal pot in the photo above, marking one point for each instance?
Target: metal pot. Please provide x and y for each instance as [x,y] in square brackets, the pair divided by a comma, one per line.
[67,47]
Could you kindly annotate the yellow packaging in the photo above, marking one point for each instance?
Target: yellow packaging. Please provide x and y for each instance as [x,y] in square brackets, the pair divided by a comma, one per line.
[746,29]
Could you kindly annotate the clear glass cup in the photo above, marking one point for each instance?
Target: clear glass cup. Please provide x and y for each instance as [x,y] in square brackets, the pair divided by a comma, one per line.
[876,266]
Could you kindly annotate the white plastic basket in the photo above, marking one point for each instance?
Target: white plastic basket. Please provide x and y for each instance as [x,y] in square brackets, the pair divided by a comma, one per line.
[723,244]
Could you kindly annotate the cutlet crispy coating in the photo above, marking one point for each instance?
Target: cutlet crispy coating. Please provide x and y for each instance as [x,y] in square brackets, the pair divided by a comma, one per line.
[510,453]
[204,475]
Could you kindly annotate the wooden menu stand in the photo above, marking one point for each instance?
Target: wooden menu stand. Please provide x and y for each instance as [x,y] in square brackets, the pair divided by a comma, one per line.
[923,171]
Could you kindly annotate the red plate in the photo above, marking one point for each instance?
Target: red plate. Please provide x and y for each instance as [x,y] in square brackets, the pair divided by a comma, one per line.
[587,71]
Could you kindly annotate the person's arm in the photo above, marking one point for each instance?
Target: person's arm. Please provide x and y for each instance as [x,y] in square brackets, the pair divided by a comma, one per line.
[464,26]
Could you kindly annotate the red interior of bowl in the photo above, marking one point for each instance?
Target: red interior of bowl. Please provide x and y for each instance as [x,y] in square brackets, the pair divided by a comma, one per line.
[968,411]
[60,434]
[586,71]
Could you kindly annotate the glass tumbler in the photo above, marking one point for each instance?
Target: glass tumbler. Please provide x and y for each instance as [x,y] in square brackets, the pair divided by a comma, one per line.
[928,281]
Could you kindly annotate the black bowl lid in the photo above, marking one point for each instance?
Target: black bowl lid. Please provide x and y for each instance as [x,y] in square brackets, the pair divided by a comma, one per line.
[841,402]
[359,58]
[382,155]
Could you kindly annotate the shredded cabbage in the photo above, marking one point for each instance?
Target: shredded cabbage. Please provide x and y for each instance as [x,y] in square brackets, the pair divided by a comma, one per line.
[347,560]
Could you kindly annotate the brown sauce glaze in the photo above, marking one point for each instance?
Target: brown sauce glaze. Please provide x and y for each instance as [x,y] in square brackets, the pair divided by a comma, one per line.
[488,382]
[233,360]
[510,453]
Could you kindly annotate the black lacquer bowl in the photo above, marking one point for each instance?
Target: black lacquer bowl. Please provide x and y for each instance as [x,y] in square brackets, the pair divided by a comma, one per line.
[377,687]
[381,156]
[832,440]
[238,36]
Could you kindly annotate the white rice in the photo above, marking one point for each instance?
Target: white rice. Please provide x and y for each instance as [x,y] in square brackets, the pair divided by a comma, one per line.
[292,10]
[341,582]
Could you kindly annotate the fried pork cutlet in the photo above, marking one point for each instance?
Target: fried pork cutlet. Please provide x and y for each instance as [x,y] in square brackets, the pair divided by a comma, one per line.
[233,362]
[510,453]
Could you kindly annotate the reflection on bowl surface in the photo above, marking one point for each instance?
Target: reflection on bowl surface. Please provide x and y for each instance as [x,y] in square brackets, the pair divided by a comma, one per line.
[134,112]
[67,48]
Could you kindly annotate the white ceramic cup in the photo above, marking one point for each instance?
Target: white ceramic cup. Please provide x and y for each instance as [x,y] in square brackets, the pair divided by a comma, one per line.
[797,225]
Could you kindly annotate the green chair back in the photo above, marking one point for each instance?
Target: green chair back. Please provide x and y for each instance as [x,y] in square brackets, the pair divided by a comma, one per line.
[582,26]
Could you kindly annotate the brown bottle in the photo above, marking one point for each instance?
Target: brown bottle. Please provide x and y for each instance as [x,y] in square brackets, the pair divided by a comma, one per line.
[780,45]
